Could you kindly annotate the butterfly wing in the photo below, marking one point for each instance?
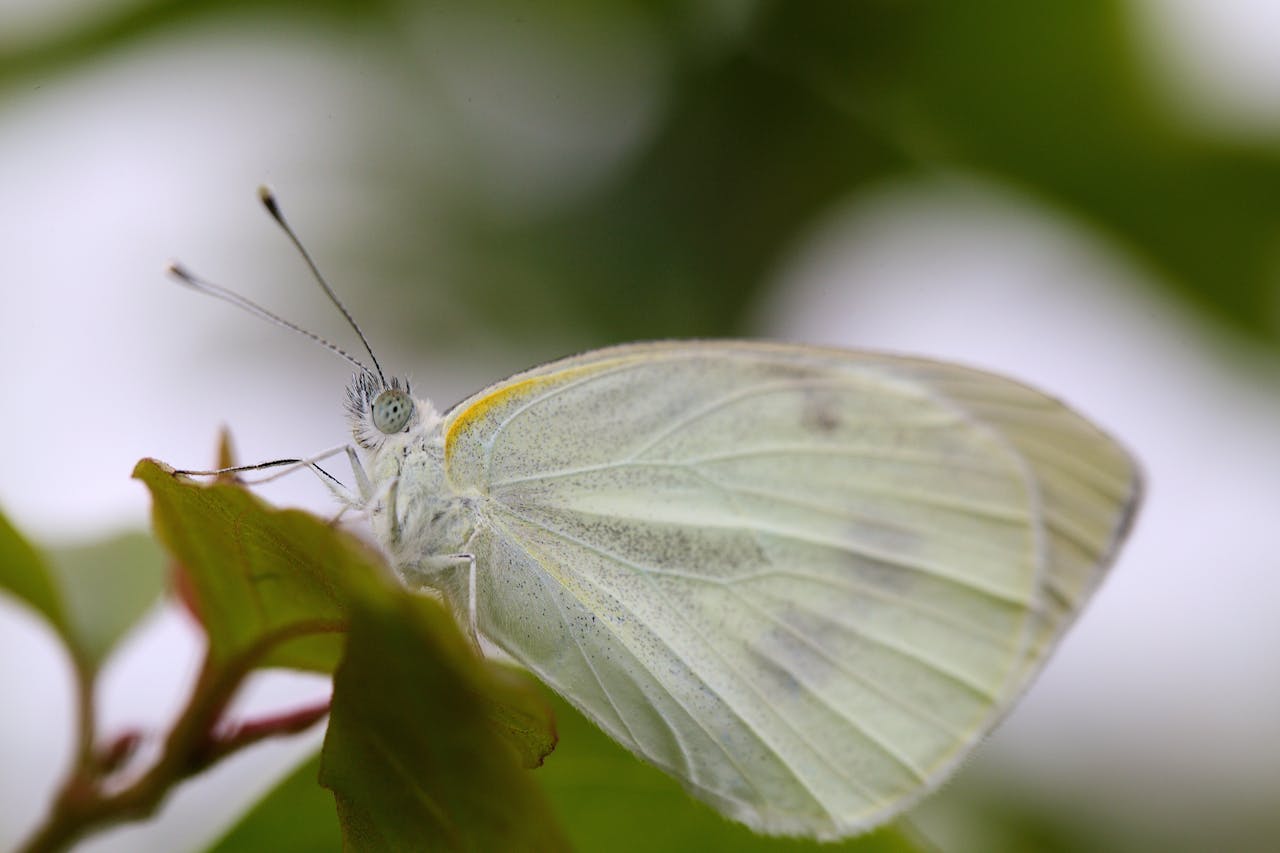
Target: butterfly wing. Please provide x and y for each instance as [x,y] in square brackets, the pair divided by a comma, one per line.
[803,581]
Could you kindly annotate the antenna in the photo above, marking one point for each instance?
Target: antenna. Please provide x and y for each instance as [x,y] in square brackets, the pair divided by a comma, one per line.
[269,202]
[208,288]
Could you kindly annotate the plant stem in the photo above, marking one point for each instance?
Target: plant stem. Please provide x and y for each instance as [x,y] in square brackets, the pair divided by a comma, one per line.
[191,747]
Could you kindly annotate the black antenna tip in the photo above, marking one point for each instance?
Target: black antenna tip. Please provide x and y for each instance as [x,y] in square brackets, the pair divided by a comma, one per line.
[179,272]
[268,200]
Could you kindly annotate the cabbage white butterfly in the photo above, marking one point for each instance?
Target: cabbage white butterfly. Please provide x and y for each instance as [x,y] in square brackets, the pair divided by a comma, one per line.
[803,581]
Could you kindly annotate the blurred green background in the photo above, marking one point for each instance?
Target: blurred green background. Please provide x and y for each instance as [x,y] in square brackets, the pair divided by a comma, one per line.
[1081,193]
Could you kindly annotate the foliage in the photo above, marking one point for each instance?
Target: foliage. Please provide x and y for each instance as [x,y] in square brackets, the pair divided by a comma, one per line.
[767,117]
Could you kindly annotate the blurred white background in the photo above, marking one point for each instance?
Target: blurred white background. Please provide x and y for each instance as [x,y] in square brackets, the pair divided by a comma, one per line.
[1164,700]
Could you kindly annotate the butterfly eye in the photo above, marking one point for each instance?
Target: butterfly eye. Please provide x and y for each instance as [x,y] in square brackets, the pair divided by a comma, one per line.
[391,411]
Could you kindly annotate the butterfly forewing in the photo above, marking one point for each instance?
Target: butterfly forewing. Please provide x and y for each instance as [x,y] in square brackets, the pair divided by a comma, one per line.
[803,581]
[1089,486]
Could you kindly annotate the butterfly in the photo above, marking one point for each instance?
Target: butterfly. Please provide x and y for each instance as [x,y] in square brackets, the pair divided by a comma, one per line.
[803,581]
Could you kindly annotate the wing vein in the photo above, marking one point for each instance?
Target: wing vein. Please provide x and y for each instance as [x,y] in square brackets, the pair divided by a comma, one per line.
[904,704]
[842,513]
[692,716]
[913,654]
[987,511]
[564,617]
[719,403]
[492,440]
[757,528]
[1106,483]
[834,449]
[969,628]
[646,573]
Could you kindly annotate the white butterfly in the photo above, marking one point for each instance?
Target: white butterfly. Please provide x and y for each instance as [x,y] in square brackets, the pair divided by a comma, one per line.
[803,581]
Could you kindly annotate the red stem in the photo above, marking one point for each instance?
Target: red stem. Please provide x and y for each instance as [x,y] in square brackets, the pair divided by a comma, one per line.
[191,747]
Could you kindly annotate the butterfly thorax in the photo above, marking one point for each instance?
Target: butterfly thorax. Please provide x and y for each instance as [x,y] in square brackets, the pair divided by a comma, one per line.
[415,513]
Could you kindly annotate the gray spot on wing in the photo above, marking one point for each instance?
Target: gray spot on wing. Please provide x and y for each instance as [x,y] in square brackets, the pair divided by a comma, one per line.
[820,412]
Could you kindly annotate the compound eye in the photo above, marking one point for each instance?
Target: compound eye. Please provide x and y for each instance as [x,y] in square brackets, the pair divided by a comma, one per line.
[391,411]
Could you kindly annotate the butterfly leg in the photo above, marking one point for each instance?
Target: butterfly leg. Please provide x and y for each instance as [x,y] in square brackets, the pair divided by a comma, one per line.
[471,595]
[346,497]
[393,493]
[362,479]
[283,467]
[427,574]
[473,632]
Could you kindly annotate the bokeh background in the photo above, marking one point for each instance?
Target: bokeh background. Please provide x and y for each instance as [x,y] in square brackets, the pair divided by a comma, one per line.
[1084,194]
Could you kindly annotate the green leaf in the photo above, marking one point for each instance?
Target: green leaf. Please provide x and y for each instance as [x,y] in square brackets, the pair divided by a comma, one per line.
[411,755]
[90,594]
[1076,126]
[26,576]
[296,817]
[106,587]
[609,800]
[525,718]
[259,578]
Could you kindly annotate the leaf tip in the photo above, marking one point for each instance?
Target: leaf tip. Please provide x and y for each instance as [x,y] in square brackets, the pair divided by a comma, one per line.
[149,469]
[226,453]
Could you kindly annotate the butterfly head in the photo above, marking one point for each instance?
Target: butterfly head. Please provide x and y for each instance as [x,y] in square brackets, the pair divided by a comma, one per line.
[379,409]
